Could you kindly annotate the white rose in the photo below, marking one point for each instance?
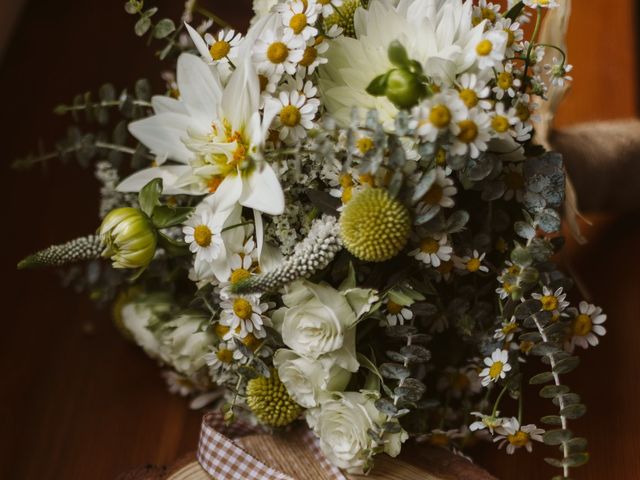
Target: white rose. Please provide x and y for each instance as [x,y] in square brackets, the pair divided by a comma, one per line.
[185,342]
[141,314]
[306,379]
[262,7]
[318,321]
[342,423]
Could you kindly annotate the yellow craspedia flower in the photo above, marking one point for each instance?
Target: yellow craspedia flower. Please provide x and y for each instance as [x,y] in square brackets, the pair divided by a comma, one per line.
[374,226]
[343,17]
[270,402]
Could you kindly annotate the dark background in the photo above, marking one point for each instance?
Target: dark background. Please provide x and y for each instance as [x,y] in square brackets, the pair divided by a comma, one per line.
[77,401]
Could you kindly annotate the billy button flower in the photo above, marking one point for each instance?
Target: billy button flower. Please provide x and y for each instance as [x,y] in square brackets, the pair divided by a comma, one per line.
[129,238]
[268,399]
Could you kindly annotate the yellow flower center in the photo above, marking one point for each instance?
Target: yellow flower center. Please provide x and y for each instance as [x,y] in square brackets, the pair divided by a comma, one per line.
[220,49]
[439,440]
[511,37]
[440,116]
[484,48]
[309,56]
[290,116]
[469,97]
[495,370]
[445,267]
[242,308]
[582,325]
[441,157]
[393,308]
[518,439]
[239,275]
[277,52]
[526,346]
[347,193]
[505,80]
[509,328]
[429,245]
[473,265]
[346,180]
[523,112]
[500,124]
[364,144]
[468,131]
[263,81]
[202,235]
[489,14]
[549,303]
[434,195]
[367,179]
[514,181]
[251,341]
[220,330]
[214,182]
[224,355]
[298,22]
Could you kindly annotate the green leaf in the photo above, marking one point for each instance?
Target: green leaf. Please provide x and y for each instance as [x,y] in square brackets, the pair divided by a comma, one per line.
[386,406]
[521,256]
[150,12]
[566,365]
[524,230]
[540,378]
[164,216]
[526,309]
[133,6]
[378,86]
[576,459]
[574,411]
[398,54]
[163,28]
[553,462]
[577,445]
[545,349]
[550,391]
[142,26]
[551,420]
[394,371]
[556,437]
[567,399]
[149,196]
[143,90]
[172,247]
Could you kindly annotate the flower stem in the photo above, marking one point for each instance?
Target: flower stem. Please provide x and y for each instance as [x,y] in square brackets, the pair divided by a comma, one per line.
[531,46]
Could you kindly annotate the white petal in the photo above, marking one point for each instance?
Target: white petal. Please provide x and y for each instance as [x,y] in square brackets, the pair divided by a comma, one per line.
[168,173]
[259,233]
[162,134]
[200,44]
[228,193]
[241,95]
[262,191]
[164,104]
[200,88]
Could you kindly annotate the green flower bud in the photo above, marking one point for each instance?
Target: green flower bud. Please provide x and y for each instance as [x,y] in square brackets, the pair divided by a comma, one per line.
[129,238]
[404,88]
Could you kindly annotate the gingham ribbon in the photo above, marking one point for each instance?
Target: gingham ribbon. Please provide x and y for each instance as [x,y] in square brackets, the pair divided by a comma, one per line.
[221,458]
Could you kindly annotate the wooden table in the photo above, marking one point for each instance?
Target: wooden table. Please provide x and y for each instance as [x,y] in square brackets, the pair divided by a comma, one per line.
[77,401]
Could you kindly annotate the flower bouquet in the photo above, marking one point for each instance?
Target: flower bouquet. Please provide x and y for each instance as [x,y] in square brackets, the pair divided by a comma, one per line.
[341,218]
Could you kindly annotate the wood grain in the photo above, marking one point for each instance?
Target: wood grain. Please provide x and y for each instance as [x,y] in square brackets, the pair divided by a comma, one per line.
[77,401]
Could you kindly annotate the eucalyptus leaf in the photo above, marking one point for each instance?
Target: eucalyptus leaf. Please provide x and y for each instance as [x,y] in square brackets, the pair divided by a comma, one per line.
[163,28]
[566,365]
[394,371]
[550,391]
[386,406]
[142,26]
[556,437]
[574,411]
[540,378]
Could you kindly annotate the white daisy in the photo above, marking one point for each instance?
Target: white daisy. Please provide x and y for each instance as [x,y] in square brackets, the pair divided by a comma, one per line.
[558,72]
[472,263]
[553,302]
[433,250]
[440,194]
[507,330]
[515,436]
[298,19]
[472,134]
[503,120]
[435,115]
[396,314]
[221,47]
[328,6]
[473,91]
[313,57]
[515,35]
[489,422]
[489,51]
[514,181]
[202,231]
[244,314]
[497,366]
[587,326]
[273,55]
[295,116]
[542,3]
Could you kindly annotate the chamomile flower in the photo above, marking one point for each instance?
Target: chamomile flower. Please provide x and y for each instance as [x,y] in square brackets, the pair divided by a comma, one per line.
[515,436]
[244,315]
[243,264]
[433,250]
[502,120]
[552,301]
[203,234]
[507,330]
[396,314]
[507,83]
[327,7]
[440,194]
[224,45]
[514,181]
[178,383]
[295,116]
[558,71]
[440,438]
[515,35]
[542,3]
[220,358]
[472,263]
[471,136]
[437,114]
[298,19]
[274,55]
[587,326]
[312,56]
[497,366]
[489,51]
[473,91]
[488,422]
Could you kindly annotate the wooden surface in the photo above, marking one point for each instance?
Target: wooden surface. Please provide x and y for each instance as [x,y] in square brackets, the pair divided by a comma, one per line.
[78,402]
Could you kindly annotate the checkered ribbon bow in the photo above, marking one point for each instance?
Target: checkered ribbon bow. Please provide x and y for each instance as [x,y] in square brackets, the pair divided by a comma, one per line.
[221,458]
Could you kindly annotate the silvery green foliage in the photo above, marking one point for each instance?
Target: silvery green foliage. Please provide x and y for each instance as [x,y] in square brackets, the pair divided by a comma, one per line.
[309,257]
[545,182]
[77,250]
